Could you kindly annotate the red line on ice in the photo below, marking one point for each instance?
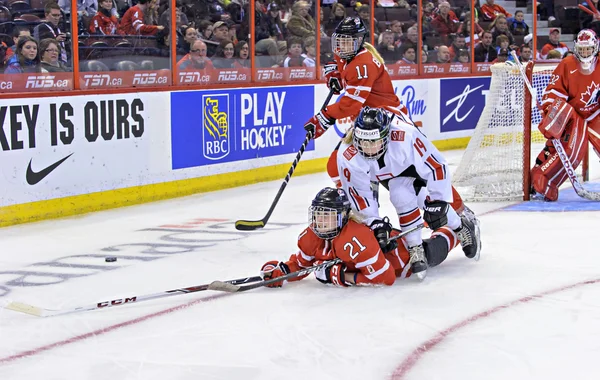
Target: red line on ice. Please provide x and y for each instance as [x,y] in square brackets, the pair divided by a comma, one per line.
[105,330]
[411,360]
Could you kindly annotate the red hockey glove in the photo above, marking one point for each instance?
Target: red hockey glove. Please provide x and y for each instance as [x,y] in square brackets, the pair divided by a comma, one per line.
[318,124]
[333,77]
[274,269]
[335,274]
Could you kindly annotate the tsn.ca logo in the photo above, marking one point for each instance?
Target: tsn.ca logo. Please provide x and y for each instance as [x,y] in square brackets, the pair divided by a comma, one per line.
[99,80]
[193,77]
[268,75]
[148,79]
[231,75]
[301,74]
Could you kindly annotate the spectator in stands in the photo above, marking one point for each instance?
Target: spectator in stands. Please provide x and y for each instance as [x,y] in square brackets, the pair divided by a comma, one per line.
[196,59]
[586,20]
[428,16]
[223,58]
[294,57]
[286,11]
[526,54]
[458,43]
[181,18]
[17,32]
[445,22]
[84,7]
[517,25]
[151,13]
[190,36]
[25,59]
[301,24]
[490,11]
[49,28]
[409,55]
[545,9]
[310,57]
[500,27]
[554,55]
[463,56]
[133,24]
[326,53]
[389,52]
[553,44]
[364,13]
[274,22]
[205,28]
[49,53]
[501,42]
[502,56]
[236,10]
[104,22]
[396,28]
[465,29]
[443,54]
[272,48]
[337,14]
[484,51]
[220,33]
[233,33]
[424,56]
[411,36]
[241,54]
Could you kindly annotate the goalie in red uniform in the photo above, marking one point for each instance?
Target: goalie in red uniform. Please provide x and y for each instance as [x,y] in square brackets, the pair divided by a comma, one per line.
[570,114]
[334,233]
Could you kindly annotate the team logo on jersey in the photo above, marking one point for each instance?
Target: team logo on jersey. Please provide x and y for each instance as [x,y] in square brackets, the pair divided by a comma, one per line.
[215,126]
[590,97]
[350,152]
[397,135]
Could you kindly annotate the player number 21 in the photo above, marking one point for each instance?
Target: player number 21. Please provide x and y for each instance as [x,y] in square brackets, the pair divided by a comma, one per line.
[361,76]
[350,247]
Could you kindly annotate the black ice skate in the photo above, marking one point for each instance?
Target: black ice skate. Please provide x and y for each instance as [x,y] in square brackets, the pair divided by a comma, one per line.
[418,262]
[469,237]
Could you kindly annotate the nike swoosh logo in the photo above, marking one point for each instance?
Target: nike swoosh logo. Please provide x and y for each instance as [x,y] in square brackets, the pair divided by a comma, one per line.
[35,177]
[572,72]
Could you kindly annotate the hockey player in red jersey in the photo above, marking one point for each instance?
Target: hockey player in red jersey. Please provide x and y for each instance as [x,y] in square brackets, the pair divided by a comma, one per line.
[570,114]
[334,232]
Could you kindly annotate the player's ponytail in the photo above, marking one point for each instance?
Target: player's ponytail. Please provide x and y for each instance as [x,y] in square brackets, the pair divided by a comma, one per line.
[371,49]
[349,135]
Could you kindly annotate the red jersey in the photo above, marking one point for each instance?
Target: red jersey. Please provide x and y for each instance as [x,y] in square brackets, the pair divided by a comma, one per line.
[132,23]
[358,248]
[579,90]
[561,47]
[103,24]
[490,12]
[367,83]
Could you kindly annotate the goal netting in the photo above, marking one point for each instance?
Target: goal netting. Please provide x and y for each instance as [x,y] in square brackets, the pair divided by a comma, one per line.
[505,143]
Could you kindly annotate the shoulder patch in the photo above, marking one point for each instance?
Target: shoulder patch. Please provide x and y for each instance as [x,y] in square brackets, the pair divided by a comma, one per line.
[350,152]
[397,135]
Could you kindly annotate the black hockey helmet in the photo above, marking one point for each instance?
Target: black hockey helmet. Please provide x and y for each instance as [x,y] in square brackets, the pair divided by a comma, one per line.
[348,37]
[329,212]
[371,133]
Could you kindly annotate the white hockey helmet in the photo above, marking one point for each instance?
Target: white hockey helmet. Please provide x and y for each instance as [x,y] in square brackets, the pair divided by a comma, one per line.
[586,48]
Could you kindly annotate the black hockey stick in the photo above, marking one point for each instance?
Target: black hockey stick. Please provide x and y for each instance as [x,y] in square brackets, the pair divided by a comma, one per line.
[41,312]
[251,225]
[564,159]
[229,287]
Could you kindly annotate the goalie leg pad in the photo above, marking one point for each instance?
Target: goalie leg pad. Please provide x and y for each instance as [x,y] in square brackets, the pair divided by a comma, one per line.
[594,134]
[548,173]
[560,114]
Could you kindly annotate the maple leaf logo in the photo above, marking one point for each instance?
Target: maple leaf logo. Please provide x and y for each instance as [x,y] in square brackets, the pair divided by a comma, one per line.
[590,97]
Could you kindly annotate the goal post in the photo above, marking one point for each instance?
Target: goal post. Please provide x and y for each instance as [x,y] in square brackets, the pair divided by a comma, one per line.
[505,143]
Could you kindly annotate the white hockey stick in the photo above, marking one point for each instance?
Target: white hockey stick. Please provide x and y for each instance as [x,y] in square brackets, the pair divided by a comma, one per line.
[568,166]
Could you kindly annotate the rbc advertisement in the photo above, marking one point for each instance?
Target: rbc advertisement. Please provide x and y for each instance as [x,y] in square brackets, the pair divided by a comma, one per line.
[462,102]
[212,127]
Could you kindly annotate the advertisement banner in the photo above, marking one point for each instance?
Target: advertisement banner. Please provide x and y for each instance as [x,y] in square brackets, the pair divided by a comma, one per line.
[147,78]
[235,125]
[206,77]
[30,82]
[56,147]
[461,102]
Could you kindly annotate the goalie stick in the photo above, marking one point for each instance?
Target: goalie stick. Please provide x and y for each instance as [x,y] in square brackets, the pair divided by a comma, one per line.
[41,312]
[233,288]
[251,225]
[567,165]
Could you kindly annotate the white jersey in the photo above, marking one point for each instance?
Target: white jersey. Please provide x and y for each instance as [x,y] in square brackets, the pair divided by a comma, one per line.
[411,169]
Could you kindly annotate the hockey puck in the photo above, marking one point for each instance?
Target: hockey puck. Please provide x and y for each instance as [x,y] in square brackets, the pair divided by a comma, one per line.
[110,259]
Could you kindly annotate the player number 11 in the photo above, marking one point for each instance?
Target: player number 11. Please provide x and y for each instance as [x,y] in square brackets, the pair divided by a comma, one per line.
[359,74]
[350,247]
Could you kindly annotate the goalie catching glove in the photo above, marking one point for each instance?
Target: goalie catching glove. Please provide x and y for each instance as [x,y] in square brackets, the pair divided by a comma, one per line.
[318,124]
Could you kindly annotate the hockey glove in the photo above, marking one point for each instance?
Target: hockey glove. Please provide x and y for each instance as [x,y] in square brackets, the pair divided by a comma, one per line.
[556,119]
[335,275]
[381,229]
[436,214]
[274,269]
[318,124]
[333,77]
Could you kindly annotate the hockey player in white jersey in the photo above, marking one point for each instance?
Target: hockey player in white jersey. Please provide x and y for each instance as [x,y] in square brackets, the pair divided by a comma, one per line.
[384,148]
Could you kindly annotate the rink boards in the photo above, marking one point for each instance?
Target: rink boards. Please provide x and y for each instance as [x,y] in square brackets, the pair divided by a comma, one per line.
[62,156]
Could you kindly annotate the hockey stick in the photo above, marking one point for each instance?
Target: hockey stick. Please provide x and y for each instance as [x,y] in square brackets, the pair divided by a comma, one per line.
[233,288]
[251,225]
[41,312]
[568,166]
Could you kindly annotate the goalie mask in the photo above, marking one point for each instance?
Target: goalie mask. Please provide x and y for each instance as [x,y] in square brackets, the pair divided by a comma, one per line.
[348,37]
[329,212]
[371,133]
[586,48]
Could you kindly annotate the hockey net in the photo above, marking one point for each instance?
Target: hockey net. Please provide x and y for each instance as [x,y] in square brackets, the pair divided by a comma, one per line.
[503,148]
